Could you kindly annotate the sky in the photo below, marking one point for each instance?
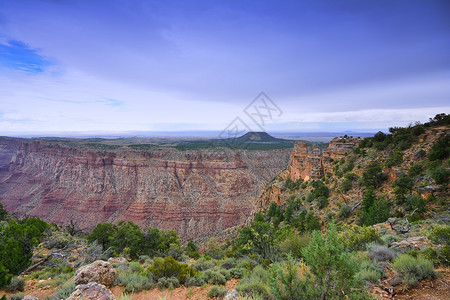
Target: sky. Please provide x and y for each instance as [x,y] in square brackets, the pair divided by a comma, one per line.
[143,65]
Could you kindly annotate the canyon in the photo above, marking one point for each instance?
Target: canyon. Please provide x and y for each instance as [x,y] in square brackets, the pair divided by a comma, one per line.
[198,193]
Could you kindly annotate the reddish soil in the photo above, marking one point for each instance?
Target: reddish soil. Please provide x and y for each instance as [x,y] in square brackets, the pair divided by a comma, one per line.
[197,293]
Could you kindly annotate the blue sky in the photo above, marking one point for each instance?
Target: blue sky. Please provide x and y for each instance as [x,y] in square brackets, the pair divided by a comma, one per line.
[115,65]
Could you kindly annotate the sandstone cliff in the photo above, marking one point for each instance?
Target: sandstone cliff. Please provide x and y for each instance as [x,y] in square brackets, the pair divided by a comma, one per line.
[198,193]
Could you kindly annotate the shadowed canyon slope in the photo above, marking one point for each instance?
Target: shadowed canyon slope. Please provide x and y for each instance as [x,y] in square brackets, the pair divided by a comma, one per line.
[198,193]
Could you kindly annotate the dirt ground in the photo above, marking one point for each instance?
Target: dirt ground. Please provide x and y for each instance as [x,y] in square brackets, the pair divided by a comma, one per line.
[194,293]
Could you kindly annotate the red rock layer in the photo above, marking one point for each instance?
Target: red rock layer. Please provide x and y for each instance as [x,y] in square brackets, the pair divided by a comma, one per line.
[198,193]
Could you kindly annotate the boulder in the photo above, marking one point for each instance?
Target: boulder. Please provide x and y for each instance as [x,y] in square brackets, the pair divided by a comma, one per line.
[91,291]
[29,297]
[231,295]
[100,271]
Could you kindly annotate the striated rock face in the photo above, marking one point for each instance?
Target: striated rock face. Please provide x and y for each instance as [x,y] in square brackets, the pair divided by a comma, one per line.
[312,163]
[8,148]
[197,193]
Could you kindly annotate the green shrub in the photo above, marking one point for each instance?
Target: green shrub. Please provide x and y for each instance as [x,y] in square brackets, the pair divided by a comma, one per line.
[440,175]
[135,267]
[203,264]
[194,281]
[332,270]
[394,160]
[346,185]
[213,277]
[169,267]
[217,292]
[226,273]
[415,169]
[402,185]
[440,149]
[373,177]
[412,269]
[355,237]
[344,212]
[294,244]
[440,235]
[63,292]
[237,272]
[320,191]
[254,284]
[388,239]
[134,282]
[16,284]
[167,283]
[369,275]
[413,202]
[228,263]
[17,296]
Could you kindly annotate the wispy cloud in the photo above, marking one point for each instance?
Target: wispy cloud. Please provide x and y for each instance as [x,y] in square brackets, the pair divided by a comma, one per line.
[18,56]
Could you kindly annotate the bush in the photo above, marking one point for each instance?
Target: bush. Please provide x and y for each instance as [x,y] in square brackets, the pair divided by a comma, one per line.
[16,284]
[217,292]
[395,159]
[228,263]
[346,185]
[440,149]
[344,212]
[64,292]
[213,277]
[133,282]
[381,253]
[412,269]
[135,267]
[237,272]
[17,296]
[413,202]
[202,264]
[415,169]
[402,185]
[370,273]
[226,273]
[167,283]
[254,284]
[374,177]
[355,237]
[194,281]
[169,267]
[440,175]
[294,244]
[440,235]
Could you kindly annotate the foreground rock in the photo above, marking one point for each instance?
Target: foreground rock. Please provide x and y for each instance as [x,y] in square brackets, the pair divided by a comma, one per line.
[100,271]
[91,291]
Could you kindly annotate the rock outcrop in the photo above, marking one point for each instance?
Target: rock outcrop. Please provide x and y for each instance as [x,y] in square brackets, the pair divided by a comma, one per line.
[99,271]
[91,291]
[313,163]
[198,193]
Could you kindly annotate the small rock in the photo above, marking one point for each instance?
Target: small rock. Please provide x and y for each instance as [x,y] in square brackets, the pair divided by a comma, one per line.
[396,280]
[91,291]
[29,297]
[231,295]
[114,260]
[100,271]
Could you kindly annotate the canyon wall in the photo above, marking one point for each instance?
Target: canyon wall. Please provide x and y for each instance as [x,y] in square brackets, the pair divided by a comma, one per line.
[198,193]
